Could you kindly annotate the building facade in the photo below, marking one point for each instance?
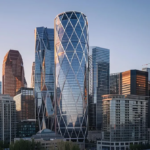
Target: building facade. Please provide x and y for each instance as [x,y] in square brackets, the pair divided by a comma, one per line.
[25,104]
[148,70]
[26,128]
[124,121]
[135,82]
[71,65]
[44,76]
[115,83]
[100,66]
[33,75]
[131,82]
[13,73]
[7,118]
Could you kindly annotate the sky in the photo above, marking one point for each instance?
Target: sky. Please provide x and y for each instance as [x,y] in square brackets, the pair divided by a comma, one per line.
[123,26]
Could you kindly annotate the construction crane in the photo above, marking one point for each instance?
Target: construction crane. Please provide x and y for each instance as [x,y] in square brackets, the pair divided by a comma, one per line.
[146,64]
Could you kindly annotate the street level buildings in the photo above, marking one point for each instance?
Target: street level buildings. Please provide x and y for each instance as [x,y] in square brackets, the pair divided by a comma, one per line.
[124,121]
[7,118]
[25,104]
[13,73]
[44,77]
[71,66]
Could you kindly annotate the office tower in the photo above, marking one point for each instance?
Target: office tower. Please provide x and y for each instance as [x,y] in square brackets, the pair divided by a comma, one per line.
[71,62]
[7,118]
[135,82]
[0,87]
[13,73]
[100,63]
[26,128]
[25,104]
[33,75]
[124,121]
[131,82]
[44,76]
[115,83]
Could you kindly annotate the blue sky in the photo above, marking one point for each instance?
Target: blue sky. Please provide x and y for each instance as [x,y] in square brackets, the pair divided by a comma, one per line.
[123,26]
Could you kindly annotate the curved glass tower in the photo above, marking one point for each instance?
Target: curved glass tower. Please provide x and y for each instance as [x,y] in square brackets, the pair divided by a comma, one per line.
[71,71]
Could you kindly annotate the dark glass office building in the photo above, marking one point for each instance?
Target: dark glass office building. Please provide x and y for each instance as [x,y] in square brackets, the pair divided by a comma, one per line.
[100,66]
[44,76]
[26,128]
[115,83]
[25,104]
[71,66]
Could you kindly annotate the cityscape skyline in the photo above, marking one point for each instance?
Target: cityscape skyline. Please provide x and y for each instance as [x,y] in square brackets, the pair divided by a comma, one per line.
[124,34]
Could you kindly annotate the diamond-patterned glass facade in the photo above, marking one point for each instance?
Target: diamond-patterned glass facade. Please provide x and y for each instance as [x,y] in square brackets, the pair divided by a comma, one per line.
[44,76]
[71,62]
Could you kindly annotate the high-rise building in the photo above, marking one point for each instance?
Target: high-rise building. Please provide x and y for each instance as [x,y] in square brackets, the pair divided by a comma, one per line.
[25,104]
[100,66]
[131,82]
[124,121]
[71,62]
[7,118]
[13,73]
[44,76]
[33,75]
[0,87]
[135,82]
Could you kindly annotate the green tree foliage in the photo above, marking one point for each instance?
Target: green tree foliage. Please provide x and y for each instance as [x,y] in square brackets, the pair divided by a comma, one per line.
[3,145]
[26,145]
[65,146]
[139,146]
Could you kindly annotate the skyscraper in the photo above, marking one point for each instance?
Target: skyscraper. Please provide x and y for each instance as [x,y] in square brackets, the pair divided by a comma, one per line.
[135,82]
[100,63]
[44,76]
[13,73]
[71,62]
[7,118]
[33,75]
[131,82]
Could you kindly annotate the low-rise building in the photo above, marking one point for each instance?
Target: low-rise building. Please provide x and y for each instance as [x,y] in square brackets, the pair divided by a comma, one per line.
[26,128]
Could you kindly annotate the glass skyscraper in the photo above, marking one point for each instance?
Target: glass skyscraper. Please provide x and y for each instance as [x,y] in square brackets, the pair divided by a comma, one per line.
[44,76]
[71,62]
[100,63]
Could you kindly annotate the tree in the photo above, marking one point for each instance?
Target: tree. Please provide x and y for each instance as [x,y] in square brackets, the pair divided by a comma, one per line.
[66,146]
[25,145]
